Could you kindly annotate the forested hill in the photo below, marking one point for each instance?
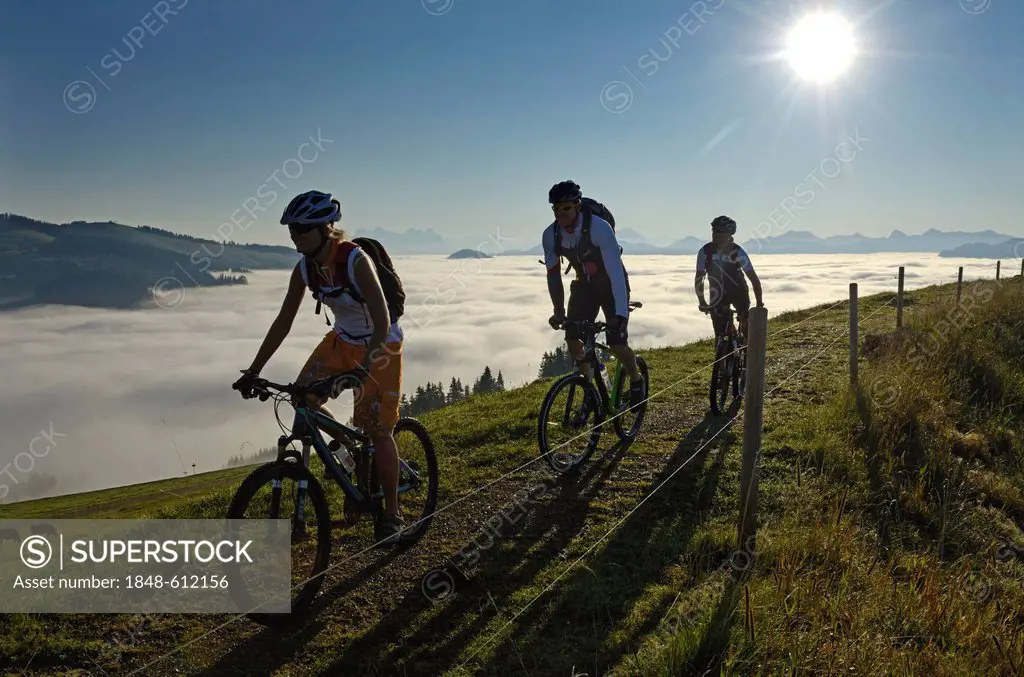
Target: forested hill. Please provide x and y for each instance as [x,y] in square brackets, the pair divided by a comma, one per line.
[111,265]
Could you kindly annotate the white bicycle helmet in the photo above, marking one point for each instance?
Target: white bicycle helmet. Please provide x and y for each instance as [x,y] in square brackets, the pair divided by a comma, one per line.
[312,208]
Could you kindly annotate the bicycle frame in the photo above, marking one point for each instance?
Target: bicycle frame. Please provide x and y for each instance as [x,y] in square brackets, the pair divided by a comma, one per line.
[731,329]
[732,337]
[316,421]
[590,357]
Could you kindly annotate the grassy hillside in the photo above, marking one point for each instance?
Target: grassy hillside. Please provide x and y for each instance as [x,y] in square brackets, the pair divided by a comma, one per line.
[890,530]
[113,266]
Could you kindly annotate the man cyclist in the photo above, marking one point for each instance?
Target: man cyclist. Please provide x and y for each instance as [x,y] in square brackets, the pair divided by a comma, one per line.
[724,262]
[601,279]
[362,332]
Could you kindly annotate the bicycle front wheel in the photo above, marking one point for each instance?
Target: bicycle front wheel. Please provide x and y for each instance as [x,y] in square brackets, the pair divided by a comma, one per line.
[739,376]
[272,492]
[721,378]
[569,418]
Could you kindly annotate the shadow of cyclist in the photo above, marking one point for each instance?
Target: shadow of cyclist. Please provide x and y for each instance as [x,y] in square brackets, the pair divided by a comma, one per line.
[525,548]
[650,538]
[479,590]
[271,648]
[465,615]
[274,647]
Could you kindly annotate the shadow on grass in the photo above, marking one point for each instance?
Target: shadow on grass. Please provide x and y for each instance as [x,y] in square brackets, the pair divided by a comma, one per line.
[715,643]
[569,631]
[496,552]
[272,648]
[467,595]
[418,636]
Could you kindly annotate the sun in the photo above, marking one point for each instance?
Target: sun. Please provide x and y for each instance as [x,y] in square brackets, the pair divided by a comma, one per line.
[820,47]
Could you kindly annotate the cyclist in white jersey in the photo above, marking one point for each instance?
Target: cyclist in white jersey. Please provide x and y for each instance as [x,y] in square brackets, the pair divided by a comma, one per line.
[601,280]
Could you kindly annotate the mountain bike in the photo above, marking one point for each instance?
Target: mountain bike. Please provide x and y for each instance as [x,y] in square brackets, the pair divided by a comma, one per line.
[730,366]
[360,486]
[599,395]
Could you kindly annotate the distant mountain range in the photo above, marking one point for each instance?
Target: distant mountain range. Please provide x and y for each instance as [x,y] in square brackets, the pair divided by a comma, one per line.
[1007,249]
[986,243]
[413,241]
[116,266]
[932,240]
[803,242]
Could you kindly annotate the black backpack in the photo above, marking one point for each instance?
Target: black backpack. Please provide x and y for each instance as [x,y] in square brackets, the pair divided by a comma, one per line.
[732,268]
[390,283]
[590,208]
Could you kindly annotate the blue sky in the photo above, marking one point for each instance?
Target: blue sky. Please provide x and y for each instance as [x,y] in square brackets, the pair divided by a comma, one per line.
[460,121]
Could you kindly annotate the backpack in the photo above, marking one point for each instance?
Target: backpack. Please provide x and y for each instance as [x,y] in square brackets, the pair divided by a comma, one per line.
[733,263]
[590,208]
[390,282]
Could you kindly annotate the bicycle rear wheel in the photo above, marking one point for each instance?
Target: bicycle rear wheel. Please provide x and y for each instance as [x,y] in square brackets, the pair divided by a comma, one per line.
[625,414]
[570,409]
[260,496]
[417,478]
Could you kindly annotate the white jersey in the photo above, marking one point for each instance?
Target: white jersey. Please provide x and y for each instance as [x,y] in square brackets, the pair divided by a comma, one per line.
[603,237]
[352,321]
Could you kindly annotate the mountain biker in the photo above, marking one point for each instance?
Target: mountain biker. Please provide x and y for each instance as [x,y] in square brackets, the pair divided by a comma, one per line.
[601,279]
[724,262]
[361,333]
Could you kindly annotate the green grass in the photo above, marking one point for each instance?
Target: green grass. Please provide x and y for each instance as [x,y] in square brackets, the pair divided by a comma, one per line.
[888,517]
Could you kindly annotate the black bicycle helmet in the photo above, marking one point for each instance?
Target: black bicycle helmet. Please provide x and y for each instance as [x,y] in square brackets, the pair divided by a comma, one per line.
[564,191]
[723,224]
[312,208]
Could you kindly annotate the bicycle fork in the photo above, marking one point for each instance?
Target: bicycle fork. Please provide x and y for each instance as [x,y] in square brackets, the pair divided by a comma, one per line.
[299,515]
[596,373]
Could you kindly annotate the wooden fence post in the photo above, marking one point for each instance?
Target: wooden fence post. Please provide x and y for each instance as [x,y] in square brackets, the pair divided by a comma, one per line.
[959,284]
[899,301]
[997,270]
[853,333]
[753,422]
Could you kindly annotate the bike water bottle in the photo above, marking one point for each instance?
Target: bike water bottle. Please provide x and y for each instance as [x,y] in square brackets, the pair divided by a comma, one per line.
[343,455]
[346,459]
[605,375]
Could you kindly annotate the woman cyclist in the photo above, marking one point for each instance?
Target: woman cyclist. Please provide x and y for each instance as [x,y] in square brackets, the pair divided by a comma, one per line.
[363,337]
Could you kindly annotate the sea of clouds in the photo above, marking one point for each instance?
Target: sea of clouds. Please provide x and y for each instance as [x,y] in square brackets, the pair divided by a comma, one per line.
[132,396]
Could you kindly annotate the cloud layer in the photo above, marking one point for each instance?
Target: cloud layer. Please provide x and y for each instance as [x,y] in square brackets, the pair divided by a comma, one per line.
[141,395]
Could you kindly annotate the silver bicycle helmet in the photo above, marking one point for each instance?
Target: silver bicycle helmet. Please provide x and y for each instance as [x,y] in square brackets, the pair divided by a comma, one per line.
[312,208]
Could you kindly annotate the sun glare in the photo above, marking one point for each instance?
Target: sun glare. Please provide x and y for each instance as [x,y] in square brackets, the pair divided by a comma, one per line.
[820,47]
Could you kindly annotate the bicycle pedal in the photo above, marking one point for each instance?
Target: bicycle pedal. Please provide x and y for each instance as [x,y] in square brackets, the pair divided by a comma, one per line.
[344,523]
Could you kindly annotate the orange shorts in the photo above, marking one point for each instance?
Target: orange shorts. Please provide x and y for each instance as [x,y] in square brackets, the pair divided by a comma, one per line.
[377,406]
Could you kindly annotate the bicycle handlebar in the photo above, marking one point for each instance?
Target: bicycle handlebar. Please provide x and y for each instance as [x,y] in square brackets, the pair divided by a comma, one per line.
[324,387]
[597,327]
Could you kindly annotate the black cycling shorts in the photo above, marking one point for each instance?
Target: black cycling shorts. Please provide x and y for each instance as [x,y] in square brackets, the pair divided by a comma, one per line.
[736,297]
[585,299]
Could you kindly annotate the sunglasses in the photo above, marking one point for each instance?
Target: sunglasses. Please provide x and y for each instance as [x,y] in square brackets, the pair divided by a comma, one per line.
[301,228]
[564,207]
